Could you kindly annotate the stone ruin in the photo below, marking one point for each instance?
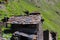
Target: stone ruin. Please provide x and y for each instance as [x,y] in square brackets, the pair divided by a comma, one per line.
[49,35]
[29,27]
[2,4]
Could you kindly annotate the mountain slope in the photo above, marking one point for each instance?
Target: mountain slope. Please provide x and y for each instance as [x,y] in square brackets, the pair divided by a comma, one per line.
[50,10]
[51,15]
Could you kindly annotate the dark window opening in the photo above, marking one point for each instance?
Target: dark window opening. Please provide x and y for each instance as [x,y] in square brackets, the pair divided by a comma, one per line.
[46,35]
[27,28]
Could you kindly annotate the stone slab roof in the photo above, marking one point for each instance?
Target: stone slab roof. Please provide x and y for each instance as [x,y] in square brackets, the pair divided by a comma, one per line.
[31,19]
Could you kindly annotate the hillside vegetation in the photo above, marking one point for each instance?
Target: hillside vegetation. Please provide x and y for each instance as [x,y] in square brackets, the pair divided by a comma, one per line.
[49,9]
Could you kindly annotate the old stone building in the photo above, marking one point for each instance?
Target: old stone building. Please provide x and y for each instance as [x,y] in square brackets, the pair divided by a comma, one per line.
[28,27]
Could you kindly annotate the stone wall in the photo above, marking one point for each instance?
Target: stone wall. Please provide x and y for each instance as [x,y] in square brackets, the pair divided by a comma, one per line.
[47,35]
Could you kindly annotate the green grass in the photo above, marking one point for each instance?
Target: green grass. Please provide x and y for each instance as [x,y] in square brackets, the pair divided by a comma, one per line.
[48,12]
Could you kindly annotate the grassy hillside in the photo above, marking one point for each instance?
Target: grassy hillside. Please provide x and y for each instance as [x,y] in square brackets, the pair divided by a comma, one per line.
[52,18]
[49,11]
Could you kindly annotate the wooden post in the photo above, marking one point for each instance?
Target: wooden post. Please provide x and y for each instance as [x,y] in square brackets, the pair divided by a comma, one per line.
[40,32]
